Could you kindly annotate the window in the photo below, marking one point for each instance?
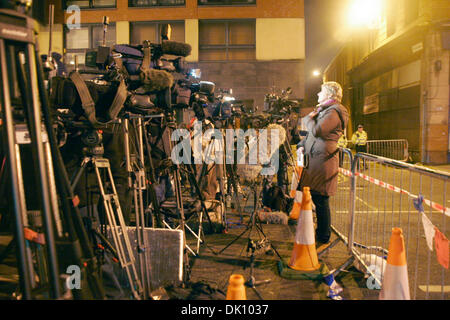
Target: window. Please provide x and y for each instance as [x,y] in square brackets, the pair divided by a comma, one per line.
[88,37]
[155,3]
[227,40]
[91,4]
[225,2]
[151,31]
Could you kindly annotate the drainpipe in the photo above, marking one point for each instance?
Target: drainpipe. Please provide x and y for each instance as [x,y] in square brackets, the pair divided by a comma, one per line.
[425,125]
[425,86]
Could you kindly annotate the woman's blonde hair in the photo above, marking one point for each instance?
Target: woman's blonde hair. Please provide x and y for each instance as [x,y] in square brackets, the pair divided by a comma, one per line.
[333,89]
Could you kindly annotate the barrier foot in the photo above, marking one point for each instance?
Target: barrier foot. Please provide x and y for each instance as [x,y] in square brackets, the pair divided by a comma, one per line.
[288,273]
[344,266]
[324,248]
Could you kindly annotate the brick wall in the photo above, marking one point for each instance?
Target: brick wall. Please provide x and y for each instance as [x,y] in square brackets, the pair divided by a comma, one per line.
[437,88]
[252,80]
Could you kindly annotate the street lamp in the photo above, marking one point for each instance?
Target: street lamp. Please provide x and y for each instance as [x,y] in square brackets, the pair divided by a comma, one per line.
[365,13]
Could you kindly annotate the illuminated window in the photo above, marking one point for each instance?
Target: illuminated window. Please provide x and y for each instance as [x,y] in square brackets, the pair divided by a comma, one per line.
[91,4]
[225,2]
[227,40]
[88,37]
[151,31]
[155,3]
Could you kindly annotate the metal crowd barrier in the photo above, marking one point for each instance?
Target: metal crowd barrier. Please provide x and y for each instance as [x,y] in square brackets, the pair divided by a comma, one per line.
[392,149]
[339,203]
[375,198]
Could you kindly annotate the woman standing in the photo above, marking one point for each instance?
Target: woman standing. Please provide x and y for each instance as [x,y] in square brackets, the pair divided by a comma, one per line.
[325,125]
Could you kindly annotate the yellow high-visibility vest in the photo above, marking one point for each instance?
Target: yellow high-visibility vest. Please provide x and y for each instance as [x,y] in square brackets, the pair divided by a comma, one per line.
[359,138]
[342,142]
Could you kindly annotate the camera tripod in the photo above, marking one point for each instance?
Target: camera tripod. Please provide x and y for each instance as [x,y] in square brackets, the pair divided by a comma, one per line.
[93,158]
[226,173]
[189,170]
[137,182]
[285,149]
[201,182]
[263,243]
[167,125]
[24,104]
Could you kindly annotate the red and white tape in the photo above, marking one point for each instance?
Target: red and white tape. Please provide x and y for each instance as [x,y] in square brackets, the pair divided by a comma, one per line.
[388,186]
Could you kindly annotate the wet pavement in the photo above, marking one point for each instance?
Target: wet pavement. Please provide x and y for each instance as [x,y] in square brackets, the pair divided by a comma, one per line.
[218,260]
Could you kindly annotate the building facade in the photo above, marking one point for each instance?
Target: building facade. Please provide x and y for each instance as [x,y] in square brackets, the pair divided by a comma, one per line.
[246,45]
[396,77]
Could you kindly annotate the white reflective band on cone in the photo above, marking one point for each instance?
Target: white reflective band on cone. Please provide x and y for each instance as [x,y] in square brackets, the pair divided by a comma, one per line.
[298,197]
[395,283]
[305,235]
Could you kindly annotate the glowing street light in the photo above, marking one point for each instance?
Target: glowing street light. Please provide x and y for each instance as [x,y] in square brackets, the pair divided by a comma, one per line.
[316,73]
[365,13]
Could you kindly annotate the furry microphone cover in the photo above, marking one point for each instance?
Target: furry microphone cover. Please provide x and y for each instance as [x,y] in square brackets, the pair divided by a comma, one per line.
[250,172]
[276,217]
[176,48]
[156,80]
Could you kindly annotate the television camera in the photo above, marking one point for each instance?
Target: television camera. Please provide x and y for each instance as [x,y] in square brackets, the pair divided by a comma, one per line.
[280,104]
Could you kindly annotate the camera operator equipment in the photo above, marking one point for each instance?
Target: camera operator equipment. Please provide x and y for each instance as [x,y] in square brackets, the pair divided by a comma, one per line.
[279,109]
[49,238]
[222,114]
[100,101]
[135,164]
[163,66]
[93,158]
[263,244]
[256,176]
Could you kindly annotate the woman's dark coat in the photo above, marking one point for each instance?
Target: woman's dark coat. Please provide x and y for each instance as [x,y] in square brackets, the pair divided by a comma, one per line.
[320,146]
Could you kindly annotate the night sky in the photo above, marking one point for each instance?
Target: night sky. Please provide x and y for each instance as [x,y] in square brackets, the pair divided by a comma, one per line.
[326,24]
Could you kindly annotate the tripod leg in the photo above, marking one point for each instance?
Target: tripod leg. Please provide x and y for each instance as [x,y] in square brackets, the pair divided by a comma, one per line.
[151,186]
[53,191]
[178,193]
[78,174]
[141,183]
[18,194]
[257,293]
[258,226]
[137,183]
[35,124]
[10,66]
[202,202]
[238,237]
[232,175]
[119,232]
[271,244]
[76,231]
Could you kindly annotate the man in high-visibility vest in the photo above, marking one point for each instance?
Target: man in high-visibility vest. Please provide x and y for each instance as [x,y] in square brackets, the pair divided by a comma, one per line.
[359,140]
[342,143]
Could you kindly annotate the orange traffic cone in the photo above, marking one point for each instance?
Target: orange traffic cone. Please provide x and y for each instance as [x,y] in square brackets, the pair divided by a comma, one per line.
[295,212]
[395,280]
[236,288]
[297,195]
[295,180]
[304,255]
